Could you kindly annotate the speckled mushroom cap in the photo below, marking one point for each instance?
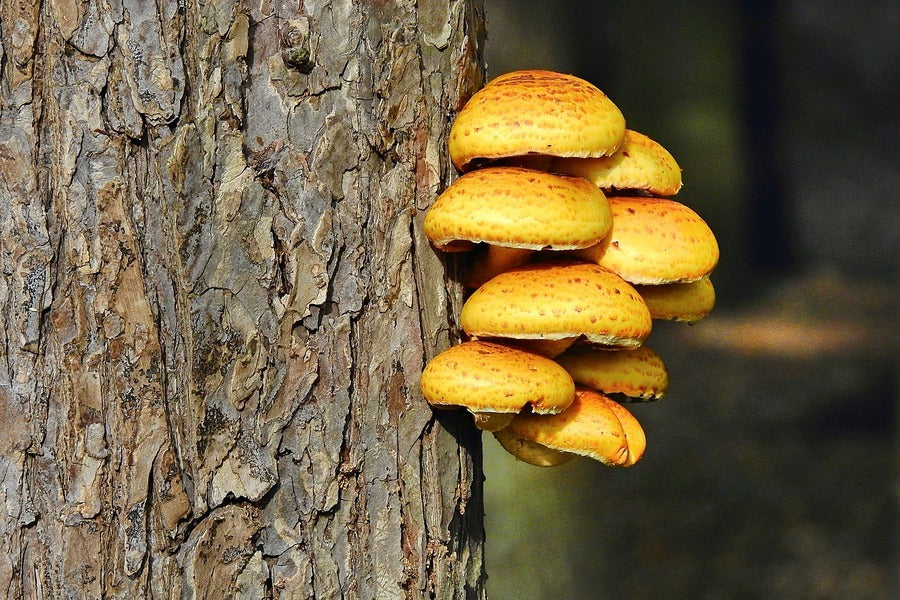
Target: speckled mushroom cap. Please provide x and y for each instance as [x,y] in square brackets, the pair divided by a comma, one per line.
[636,439]
[654,241]
[519,208]
[640,163]
[531,452]
[687,302]
[593,426]
[639,373]
[555,300]
[487,377]
[535,112]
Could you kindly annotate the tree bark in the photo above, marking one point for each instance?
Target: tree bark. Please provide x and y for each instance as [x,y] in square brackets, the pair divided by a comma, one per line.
[217,300]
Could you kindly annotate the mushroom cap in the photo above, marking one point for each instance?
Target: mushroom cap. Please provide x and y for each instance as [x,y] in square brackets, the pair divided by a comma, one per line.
[655,241]
[531,452]
[638,373]
[535,112]
[687,302]
[635,438]
[640,163]
[487,377]
[593,426]
[519,208]
[558,299]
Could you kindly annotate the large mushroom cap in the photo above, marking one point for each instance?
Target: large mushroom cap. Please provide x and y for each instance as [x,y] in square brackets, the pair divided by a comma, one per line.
[593,426]
[490,378]
[687,302]
[640,163]
[519,208]
[639,373]
[557,300]
[655,241]
[535,112]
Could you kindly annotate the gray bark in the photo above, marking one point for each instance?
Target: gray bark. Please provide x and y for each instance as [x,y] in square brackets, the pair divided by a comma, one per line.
[216,300]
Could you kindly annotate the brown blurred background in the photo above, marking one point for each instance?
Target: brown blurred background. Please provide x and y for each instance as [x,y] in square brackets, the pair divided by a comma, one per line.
[771,468]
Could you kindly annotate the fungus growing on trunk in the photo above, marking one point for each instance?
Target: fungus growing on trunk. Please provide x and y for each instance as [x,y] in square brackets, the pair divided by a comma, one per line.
[515,212]
[593,426]
[495,382]
[558,300]
[638,374]
[640,163]
[688,302]
[655,241]
[540,151]
[535,113]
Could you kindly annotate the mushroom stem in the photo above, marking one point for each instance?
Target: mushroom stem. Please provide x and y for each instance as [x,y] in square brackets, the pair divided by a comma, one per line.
[498,259]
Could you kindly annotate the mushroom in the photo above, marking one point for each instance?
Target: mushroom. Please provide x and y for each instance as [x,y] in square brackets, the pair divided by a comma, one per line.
[494,382]
[655,241]
[539,151]
[593,426]
[516,211]
[687,302]
[640,163]
[535,112]
[637,374]
[558,300]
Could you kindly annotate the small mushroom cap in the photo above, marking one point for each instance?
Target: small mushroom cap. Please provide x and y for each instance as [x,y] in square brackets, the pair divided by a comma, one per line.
[593,426]
[655,241]
[558,299]
[531,452]
[635,438]
[535,112]
[687,302]
[519,208]
[639,373]
[487,377]
[492,421]
[640,163]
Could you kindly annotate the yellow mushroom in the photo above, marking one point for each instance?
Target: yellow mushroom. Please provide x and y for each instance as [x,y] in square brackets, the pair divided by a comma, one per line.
[535,112]
[638,373]
[558,300]
[494,382]
[640,163]
[516,211]
[687,302]
[593,426]
[655,241]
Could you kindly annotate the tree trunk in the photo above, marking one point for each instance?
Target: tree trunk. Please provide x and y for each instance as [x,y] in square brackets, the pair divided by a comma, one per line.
[217,300]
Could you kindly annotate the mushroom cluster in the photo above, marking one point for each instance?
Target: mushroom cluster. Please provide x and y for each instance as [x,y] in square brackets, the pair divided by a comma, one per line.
[577,247]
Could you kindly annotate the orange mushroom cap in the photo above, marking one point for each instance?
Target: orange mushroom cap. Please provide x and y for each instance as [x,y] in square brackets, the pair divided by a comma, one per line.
[594,426]
[489,378]
[637,373]
[535,112]
[655,241]
[555,300]
[689,302]
[640,163]
[519,208]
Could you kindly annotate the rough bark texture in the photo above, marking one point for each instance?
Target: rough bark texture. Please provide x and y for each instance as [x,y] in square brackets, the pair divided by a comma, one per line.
[216,300]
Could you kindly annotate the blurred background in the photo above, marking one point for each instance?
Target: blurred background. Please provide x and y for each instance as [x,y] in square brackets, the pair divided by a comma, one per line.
[772,464]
